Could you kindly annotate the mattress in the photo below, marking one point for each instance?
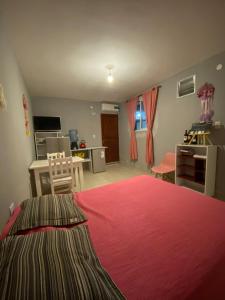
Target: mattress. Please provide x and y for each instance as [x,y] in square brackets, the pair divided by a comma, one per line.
[158,240]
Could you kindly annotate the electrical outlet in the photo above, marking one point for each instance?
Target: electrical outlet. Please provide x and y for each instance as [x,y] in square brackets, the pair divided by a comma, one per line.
[11,208]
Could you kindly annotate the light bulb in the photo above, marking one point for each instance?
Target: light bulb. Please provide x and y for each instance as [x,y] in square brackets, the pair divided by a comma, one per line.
[219,67]
[110,78]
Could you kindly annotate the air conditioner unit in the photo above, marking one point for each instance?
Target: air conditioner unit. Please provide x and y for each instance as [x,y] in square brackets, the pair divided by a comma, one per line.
[108,107]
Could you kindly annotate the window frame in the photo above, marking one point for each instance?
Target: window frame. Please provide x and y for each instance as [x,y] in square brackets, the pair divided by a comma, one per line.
[140,100]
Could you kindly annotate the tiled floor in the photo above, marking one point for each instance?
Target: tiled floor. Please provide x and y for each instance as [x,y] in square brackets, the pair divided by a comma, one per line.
[113,173]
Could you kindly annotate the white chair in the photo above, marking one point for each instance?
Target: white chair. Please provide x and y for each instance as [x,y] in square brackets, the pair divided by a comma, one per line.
[61,175]
[45,177]
[56,155]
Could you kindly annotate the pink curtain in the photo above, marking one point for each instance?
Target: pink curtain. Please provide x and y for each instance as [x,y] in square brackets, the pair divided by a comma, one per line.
[150,101]
[131,110]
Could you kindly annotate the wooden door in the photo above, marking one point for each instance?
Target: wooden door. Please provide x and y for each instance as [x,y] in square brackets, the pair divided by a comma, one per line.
[110,137]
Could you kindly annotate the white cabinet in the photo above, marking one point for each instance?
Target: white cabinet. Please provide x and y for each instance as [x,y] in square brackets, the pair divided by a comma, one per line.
[196,167]
[40,142]
[93,156]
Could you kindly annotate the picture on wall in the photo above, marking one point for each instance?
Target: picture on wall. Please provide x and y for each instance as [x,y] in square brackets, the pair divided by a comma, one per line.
[2,99]
[186,86]
[26,115]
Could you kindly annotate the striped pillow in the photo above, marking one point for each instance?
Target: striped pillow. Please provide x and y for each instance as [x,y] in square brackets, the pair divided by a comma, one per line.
[58,264]
[48,210]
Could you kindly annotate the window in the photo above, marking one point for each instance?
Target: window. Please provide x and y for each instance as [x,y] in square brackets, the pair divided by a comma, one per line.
[140,115]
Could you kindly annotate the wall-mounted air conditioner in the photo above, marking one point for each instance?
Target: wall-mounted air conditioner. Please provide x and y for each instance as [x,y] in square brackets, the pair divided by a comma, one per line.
[108,107]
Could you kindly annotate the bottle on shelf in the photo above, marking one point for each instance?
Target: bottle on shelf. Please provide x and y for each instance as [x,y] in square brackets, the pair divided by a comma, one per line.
[190,133]
[194,140]
[186,137]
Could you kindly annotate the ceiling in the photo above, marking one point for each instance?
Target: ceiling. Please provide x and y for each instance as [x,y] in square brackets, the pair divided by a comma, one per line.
[63,46]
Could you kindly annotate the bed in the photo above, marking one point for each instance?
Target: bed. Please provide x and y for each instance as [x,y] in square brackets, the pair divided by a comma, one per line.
[157,240]
[39,262]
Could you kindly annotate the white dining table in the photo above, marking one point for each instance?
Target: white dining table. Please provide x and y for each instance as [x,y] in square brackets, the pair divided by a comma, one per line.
[41,166]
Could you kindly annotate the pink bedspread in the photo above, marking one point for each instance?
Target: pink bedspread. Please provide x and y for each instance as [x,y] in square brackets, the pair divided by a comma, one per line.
[157,240]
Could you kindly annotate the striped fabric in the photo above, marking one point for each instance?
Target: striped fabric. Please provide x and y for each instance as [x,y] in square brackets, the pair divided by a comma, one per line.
[58,264]
[48,210]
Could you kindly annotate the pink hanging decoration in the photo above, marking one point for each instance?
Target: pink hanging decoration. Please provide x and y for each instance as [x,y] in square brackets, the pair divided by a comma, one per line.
[206,94]
[26,115]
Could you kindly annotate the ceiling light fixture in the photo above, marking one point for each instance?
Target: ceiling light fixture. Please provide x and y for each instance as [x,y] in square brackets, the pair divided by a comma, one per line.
[219,67]
[110,77]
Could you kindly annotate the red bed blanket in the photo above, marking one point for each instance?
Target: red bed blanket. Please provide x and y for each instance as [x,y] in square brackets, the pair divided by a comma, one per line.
[157,240]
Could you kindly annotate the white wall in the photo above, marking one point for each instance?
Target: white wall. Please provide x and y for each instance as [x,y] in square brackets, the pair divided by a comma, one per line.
[81,115]
[16,149]
[174,115]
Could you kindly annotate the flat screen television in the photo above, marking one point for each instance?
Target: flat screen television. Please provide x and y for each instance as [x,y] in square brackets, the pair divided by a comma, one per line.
[42,123]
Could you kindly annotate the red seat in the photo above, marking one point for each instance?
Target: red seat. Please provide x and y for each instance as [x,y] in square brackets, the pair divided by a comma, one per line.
[167,165]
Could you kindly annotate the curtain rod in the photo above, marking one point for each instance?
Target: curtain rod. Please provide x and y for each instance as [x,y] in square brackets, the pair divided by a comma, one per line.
[158,86]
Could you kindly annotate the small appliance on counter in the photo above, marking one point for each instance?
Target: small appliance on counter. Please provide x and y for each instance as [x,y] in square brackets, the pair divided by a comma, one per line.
[82,144]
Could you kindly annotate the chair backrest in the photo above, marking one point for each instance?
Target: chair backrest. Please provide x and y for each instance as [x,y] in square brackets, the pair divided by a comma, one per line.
[56,155]
[169,159]
[60,168]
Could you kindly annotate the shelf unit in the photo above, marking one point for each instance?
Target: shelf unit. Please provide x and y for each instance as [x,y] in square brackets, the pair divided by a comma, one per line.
[84,153]
[94,157]
[40,142]
[196,167]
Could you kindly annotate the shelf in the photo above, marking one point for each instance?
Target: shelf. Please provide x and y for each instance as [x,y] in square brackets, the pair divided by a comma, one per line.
[202,157]
[186,166]
[87,160]
[40,142]
[191,178]
[191,168]
[194,145]
[43,131]
[197,171]
[81,149]
[185,156]
[84,159]
[191,156]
